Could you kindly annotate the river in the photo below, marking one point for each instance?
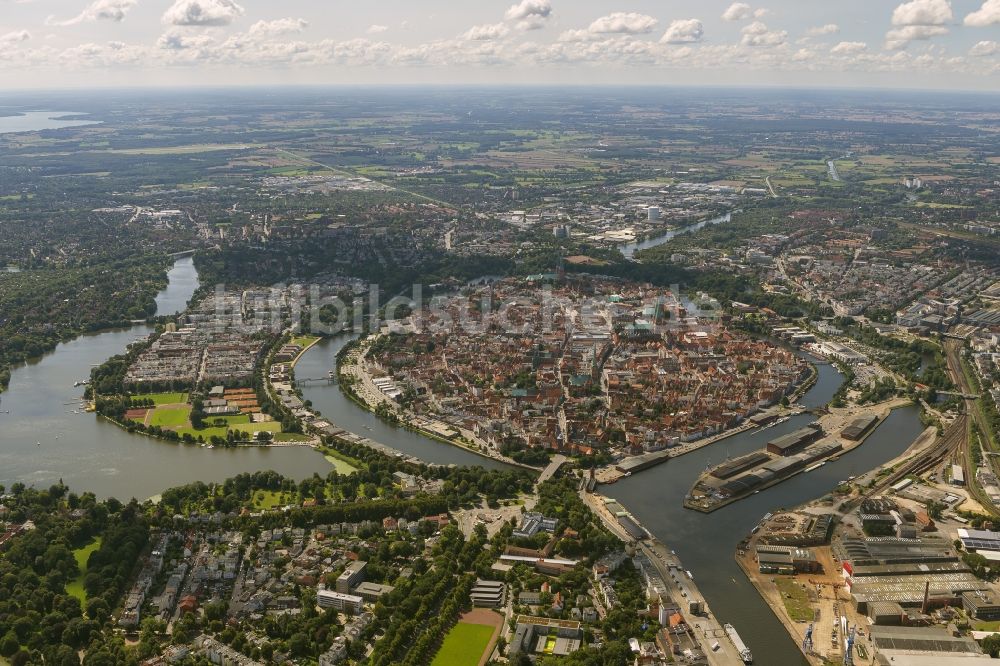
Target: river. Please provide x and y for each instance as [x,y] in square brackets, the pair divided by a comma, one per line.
[334,405]
[42,440]
[706,543]
[629,249]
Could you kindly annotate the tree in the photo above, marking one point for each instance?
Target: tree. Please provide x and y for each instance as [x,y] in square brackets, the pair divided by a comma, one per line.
[8,645]
[97,610]
[991,645]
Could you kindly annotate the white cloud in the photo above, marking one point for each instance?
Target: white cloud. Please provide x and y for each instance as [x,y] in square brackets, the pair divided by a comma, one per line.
[900,38]
[482,33]
[15,36]
[981,49]
[203,12]
[175,40]
[628,23]
[922,12]
[683,31]
[283,26]
[820,30]
[758,34]
[530,14]
[99,10]
[849,48]
[376,29]
[737,11]
[918,20]
[988,14]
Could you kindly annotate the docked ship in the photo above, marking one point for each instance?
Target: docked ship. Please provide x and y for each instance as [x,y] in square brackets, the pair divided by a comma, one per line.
[744,651]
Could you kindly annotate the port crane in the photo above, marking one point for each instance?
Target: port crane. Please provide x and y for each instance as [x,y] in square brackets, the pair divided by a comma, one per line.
[849,648]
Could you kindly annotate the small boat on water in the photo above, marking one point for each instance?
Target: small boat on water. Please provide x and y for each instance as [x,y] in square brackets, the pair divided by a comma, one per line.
[741,648]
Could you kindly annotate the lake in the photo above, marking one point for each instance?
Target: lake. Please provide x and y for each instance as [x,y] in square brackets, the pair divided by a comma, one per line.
[34,121]
[46,436]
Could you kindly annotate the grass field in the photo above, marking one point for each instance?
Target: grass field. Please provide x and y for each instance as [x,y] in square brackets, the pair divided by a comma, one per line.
[163,398]
[222,431]
[238,419]
[291,437]
[75,586]
[796,599]
[304,340]
[170,417]
[268,499]
[464,645]
[342,466]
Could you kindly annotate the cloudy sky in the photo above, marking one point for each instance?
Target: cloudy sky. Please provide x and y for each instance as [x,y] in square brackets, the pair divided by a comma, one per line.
[946,44]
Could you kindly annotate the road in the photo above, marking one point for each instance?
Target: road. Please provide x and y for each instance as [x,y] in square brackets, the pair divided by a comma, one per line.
[548,472]
[707,629]
[834,174]
[770,187]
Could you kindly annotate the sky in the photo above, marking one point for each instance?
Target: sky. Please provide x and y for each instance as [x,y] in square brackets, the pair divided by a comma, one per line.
[916,44]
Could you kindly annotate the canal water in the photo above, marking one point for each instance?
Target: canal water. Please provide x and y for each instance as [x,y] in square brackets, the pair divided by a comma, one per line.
[334,405]
[706,543]
[42,440]
[629,249]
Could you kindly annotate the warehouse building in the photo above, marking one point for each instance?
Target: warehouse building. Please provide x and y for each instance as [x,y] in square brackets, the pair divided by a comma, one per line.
[794,442]
[886,613]
[735,466]
[919,646]
[634,529]
[782,559]
[859,427]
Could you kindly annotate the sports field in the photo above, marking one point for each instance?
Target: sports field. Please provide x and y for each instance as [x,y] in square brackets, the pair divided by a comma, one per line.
[464,645]
[170,417]
[163,398]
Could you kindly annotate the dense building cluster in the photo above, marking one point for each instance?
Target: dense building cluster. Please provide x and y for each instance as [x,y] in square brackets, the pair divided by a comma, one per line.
[589,365]
[214,342]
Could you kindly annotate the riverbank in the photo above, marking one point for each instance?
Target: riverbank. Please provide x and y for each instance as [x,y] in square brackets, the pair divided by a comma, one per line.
[634,464]
[680,586]
[702,496]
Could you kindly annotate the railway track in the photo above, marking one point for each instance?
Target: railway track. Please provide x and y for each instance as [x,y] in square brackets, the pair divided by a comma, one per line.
[949,445]
[953,354]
